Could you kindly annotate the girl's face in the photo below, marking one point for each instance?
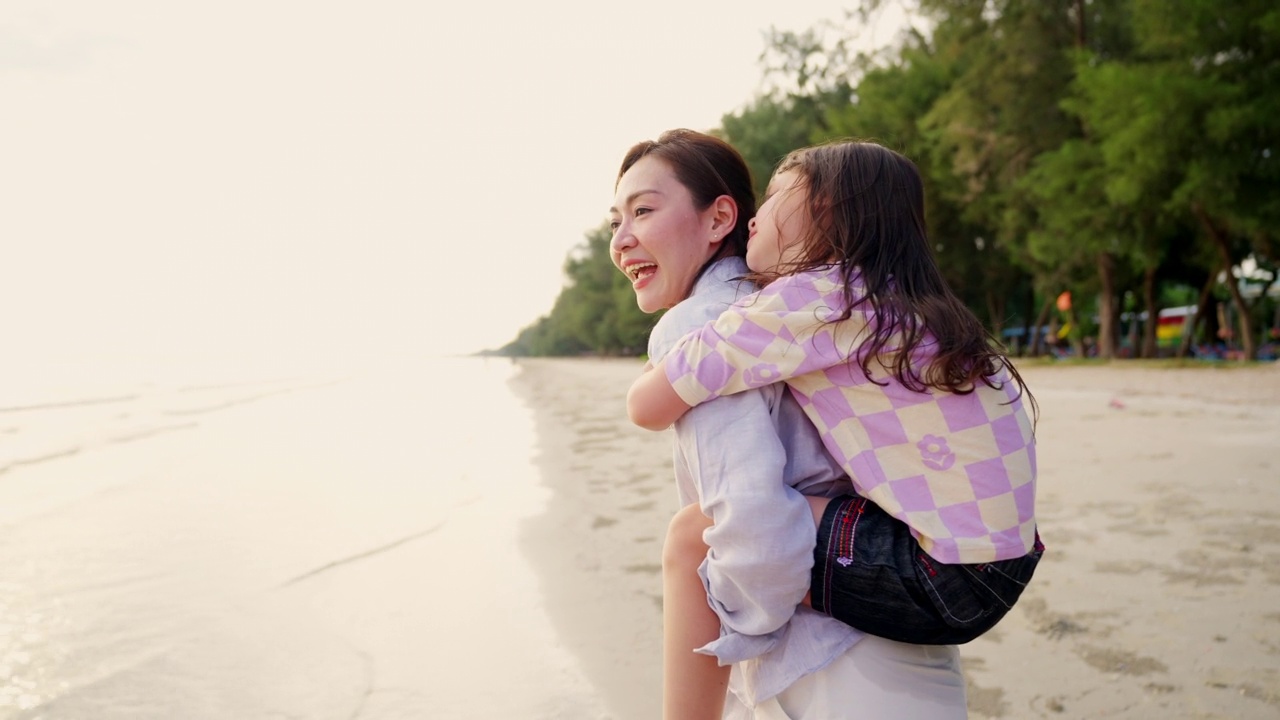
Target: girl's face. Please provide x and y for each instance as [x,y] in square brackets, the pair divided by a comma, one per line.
[779,227]
[660,240]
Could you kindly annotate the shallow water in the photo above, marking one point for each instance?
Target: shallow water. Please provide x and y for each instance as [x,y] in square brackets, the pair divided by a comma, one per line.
[203,543]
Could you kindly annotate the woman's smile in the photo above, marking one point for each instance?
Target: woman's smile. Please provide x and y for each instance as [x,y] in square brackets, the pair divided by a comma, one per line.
[639,271]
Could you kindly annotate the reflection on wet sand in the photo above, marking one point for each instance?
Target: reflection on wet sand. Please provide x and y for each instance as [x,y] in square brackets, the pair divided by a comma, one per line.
[292,548]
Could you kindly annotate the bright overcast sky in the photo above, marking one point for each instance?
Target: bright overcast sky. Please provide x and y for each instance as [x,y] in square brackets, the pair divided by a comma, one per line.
[228,176]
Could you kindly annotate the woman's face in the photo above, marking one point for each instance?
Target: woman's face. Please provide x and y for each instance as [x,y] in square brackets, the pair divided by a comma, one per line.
[660,240]
[775,233]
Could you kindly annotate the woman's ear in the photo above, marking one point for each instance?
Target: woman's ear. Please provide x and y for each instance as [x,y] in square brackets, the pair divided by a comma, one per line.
[724,216]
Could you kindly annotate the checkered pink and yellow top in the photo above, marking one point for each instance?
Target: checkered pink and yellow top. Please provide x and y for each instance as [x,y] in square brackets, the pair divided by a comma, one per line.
[959,470]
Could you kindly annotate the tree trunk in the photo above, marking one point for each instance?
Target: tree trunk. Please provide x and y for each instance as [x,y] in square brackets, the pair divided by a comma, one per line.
[1202,311]
[1132,332]
[1133,338]
[1037,338]
[1213,322]
[1224,253]
[1081,37]
[995,312]
[1076,337]
[1107,307]
[1149,347]
[1025,348]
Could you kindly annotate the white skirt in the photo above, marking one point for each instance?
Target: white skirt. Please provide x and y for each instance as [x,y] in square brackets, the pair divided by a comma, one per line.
[875,679]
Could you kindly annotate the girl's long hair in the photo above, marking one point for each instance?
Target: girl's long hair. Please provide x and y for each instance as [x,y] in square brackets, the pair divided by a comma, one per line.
[866,212]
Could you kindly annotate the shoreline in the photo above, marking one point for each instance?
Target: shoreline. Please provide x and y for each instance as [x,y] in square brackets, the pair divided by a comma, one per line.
[597,547]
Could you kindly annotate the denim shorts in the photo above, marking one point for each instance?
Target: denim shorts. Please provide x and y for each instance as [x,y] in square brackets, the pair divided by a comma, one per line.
[869,572]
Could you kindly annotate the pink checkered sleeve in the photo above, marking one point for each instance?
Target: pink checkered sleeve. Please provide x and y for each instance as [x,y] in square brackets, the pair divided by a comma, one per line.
[775,335]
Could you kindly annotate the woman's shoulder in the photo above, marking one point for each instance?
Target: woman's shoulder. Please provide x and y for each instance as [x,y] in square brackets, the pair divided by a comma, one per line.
[720,286]
[715,292]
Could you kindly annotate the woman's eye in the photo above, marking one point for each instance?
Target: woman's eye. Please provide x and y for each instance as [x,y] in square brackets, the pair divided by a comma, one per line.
[642,211]
[613,225]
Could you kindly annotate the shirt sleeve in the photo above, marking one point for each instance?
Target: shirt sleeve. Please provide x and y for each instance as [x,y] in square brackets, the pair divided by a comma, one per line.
[777,334]
[760,554]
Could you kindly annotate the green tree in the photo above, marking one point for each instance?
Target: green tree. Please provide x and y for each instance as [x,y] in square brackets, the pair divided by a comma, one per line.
[1190,125]
[809,74]
[1108,147]
[766,130]
[595,313]
[886,107]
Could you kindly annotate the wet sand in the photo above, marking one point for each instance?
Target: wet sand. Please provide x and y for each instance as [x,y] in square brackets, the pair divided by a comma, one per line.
[1159,501]
[341,547]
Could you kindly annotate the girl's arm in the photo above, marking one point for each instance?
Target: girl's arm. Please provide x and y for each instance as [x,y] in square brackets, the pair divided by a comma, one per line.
[776,335]
[651,402]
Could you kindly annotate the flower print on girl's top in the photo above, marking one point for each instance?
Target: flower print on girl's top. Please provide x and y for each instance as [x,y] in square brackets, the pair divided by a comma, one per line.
[761,375]
[935,453]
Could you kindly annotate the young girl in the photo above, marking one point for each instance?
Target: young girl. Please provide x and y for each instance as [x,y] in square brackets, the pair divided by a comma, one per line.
[904,385]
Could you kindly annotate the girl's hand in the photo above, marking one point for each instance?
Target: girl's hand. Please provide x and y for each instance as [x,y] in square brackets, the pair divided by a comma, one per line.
[651,402]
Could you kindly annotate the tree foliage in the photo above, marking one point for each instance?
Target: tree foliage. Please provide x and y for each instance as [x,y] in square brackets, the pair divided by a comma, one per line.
[1124,151]
[596,312]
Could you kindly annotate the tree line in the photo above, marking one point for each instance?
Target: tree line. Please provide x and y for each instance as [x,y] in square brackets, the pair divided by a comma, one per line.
[1087,163]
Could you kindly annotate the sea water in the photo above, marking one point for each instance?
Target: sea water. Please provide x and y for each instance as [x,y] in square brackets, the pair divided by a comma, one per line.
[212,540]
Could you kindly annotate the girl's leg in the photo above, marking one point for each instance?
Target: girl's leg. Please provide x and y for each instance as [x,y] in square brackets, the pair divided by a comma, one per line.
[693,685]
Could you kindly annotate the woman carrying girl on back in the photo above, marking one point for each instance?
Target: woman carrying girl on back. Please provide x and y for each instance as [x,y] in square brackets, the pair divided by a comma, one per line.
[680,219]
[905,387]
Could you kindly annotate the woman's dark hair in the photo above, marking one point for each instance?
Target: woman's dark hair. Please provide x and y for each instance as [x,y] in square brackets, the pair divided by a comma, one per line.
[709,167]
[866,206]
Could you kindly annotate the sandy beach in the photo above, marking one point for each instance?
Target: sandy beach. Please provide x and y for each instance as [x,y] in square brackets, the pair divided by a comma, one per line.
[1159,501]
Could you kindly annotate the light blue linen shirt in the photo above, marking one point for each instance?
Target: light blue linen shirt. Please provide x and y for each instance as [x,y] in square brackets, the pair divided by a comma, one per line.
[748,459]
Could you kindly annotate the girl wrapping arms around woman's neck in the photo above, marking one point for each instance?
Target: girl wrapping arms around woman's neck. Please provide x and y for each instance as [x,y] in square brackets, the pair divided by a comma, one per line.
[854,212]
[903,383]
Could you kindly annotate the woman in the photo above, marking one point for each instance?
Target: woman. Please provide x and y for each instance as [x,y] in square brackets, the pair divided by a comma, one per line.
[680,215]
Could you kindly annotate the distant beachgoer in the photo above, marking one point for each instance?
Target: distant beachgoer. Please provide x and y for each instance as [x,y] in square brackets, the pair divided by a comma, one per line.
[745,463]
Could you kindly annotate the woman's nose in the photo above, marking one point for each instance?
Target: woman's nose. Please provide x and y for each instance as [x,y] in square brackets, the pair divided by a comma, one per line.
[622,239]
